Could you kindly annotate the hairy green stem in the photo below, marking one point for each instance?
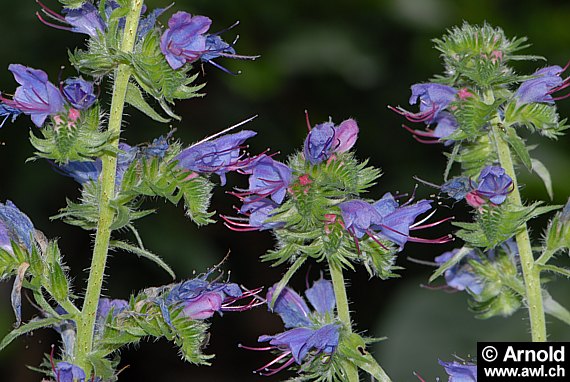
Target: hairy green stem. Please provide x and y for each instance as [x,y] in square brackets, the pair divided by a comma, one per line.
[531,272]
[86,322]
[343,312]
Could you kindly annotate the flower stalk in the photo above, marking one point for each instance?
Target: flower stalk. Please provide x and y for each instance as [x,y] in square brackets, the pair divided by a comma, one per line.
[86,322]
[343,312]
[531,271]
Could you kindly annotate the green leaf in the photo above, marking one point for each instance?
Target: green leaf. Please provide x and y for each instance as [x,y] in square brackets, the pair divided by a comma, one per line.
[135,98]
[26,328]
[353,347]
[141,252]
[72,4]
[555,269]
[541,170]
[59,285]
[285,279]
[518,146]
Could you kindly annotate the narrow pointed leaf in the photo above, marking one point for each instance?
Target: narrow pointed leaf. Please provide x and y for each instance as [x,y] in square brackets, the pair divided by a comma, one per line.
[141,252]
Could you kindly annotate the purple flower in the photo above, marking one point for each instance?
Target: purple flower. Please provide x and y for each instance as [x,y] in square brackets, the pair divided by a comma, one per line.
[68,372]
[460,372]
[257,210]
[199,299]
[539,89]
[268,178]
[397,221]
[445,125]
[7,112]
[36,97]
[387,219]
[312,332]
[157,149]
[457,188]
[85,19]
[217,156]
[433,98]
[15,227]
[461,276]
[79,93]
[107,305]
[494,184]
[359,216]
[184,41]
[325,139]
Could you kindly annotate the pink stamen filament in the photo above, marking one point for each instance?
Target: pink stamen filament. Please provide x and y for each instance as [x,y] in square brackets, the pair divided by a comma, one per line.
[371,234]
[416,227]
[43,21]
[50,12]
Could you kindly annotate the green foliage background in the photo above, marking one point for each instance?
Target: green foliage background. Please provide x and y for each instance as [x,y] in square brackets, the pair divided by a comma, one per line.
[340,59]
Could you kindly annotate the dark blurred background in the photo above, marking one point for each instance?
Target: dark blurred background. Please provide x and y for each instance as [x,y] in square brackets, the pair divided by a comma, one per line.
[340,59]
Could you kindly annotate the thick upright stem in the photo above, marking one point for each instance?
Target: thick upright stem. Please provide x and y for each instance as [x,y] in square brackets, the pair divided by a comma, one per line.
[86,322]
[531,272]
[343,312]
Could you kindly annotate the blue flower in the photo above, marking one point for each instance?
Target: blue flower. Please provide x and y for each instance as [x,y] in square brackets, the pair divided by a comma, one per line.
[457,188]
[445,125]
[85,19]
[461,276]
[325,139]
[359,216]
[36,97]
[107,305]
[6,112]
[157,149]
[460,372]
[540,88]
[387,219]
[87,171]
[217,156]
[68,372]
[184,41]
[433,99]
[494,184]
[268,178]
[257,210]
[15,227]
[312,332]
[79,93]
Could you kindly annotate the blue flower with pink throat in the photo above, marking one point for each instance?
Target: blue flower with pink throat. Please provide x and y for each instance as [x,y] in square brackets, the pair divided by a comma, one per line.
[199,299]
[311,332]
[326,139]
[493,186]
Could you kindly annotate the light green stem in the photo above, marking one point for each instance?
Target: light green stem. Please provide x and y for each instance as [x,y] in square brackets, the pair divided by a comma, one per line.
[86,322]
[531,272]
[343,312]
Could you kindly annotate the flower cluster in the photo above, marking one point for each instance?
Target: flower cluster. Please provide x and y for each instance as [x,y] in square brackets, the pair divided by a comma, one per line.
[311,333]
[492,187]
[39,98]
